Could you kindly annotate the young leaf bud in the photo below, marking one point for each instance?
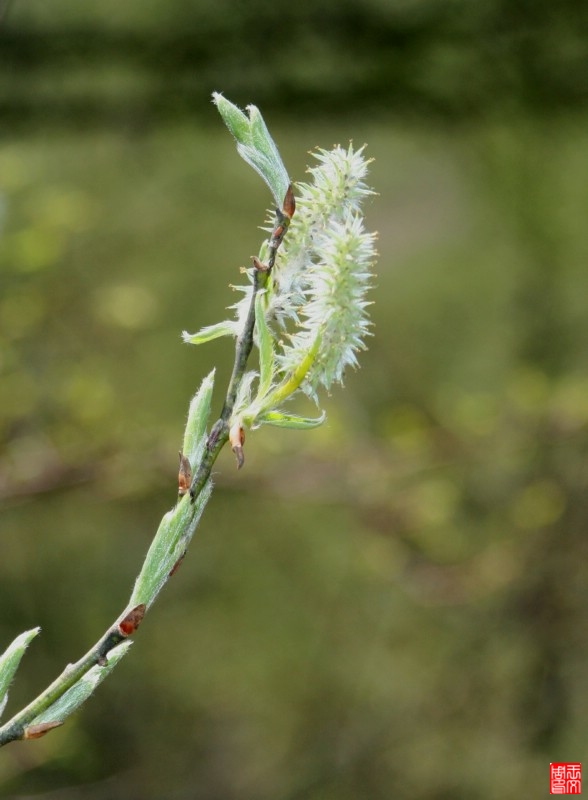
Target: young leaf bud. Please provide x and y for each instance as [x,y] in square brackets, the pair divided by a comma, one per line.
[131,621]
[237,440]
[184,475]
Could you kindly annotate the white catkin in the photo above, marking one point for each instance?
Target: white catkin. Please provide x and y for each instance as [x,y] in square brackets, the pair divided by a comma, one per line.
[325,268]
[323,271]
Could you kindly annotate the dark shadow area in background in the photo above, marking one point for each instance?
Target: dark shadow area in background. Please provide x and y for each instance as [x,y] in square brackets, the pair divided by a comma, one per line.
[445,60]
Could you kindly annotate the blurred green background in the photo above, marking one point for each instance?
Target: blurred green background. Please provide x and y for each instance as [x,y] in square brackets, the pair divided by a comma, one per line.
[395,605]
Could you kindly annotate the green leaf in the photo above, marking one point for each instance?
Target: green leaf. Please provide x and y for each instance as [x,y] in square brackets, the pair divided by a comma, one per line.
[260,136]
[198,414]
[266,347]
[282,420]
[255,145]
[80,691]
[292,382]
[168,546]
[243,399]
[235,120]
[10,660]
[226,328]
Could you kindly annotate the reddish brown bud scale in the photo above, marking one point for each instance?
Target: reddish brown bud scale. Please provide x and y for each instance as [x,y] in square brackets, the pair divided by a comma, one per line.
[237,440]
[37,731]
[177,565]
[184,475]
[289,206]
[259,265]
[129,624]
[239,455]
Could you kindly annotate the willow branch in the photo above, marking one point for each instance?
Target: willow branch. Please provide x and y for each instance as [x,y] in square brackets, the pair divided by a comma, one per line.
[22,725]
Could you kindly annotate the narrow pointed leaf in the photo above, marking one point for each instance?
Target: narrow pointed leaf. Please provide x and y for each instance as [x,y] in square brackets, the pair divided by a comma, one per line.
[80,691]
[198,415]
[276,175]
[10,660]
[294,380]
[255,145]
[279,419]
[168,547]
[244,394]
[266,348]
[235,119]
[210,332]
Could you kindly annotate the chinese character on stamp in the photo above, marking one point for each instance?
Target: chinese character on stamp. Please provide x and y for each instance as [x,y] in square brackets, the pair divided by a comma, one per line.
[565,778]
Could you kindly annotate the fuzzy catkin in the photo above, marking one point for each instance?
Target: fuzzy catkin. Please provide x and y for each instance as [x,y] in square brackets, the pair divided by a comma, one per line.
[325,269]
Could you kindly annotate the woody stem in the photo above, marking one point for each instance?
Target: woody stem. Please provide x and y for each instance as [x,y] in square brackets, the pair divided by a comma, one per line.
[219,433]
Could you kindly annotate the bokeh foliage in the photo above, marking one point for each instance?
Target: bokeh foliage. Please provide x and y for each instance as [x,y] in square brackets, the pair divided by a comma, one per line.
[393,605]
[141,61]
